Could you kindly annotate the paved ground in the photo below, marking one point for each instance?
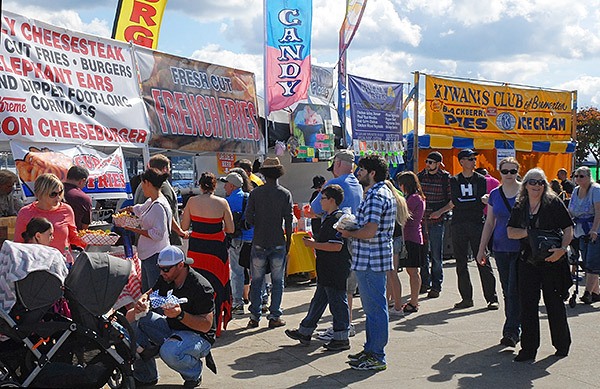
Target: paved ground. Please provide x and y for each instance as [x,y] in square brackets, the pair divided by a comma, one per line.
[435,347]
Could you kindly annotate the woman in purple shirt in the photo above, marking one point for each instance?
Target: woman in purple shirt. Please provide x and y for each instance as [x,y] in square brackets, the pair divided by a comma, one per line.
[413,235]
[506,251]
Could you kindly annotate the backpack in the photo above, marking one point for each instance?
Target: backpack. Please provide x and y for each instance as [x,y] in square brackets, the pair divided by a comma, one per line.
[239,219]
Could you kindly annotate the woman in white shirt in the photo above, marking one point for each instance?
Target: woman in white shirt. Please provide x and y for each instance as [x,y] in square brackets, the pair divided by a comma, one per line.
[155,218]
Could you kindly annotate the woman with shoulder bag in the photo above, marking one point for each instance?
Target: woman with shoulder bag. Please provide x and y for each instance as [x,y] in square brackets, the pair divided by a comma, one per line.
[506,251]
[538,214]
[585,209]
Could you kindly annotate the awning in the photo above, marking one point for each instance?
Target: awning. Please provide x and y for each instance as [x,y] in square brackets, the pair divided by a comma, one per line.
[436,141]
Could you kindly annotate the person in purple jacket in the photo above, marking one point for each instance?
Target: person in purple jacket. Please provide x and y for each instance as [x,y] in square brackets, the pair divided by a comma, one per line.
[413,235]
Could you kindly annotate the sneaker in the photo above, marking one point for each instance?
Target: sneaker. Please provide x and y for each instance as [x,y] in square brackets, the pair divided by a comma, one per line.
[337,345]
[424,289]
[524,356]
[351,331]
[238,310]
[508,341]
[433,294]
[192,383]
[595,297]
[296,335]
[274,323]
[149,352]
[463,304]
[586,298]
[396,312]
[493,306]
[327,335]
[140,384]
[252,323]
[368,363]
[358,356]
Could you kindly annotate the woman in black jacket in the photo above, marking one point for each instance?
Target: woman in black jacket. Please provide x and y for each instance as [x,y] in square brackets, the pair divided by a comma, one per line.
[538,210]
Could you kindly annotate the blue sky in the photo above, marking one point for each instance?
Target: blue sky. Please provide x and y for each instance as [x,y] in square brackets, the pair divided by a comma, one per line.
[543,43]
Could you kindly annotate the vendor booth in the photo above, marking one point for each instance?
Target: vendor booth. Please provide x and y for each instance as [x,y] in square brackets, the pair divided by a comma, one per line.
[536,126]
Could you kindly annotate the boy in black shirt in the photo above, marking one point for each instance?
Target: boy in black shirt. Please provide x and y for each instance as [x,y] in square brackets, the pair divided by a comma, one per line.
[333,268]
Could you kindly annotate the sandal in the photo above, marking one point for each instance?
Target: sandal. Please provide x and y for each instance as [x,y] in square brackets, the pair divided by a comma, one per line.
[409,308]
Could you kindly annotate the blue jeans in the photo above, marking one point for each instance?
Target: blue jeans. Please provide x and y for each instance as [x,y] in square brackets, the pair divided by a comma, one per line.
[182,351]
[435,241]
[374,302]
[507,270]
[275,257]
[338,306]
[237,273]
[150,272]
[590,255]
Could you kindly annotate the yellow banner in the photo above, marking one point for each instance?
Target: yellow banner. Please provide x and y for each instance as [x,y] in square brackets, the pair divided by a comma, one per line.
[139,21]
[471,110]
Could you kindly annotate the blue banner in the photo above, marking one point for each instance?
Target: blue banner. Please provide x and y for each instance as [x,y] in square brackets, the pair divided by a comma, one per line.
[375,109]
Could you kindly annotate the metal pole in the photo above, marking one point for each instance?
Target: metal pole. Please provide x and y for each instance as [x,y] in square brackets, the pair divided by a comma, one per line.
[416,125]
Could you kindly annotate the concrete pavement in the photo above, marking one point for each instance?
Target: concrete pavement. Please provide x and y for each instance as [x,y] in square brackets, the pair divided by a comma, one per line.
[435,347]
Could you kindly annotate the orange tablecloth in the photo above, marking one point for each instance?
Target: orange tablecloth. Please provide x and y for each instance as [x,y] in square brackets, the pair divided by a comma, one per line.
[301,259]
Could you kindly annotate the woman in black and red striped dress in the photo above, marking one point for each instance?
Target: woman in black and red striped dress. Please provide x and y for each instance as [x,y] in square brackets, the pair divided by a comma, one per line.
[210,219]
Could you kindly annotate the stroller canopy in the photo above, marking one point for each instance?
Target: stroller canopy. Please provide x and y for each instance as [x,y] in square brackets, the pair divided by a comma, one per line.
[97,279]
[17,261]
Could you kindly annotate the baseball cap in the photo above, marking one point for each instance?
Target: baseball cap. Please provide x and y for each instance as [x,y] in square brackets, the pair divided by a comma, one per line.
[233,178]
[435,156]
[318,182]
[172,255]
[466,153]
[342,155]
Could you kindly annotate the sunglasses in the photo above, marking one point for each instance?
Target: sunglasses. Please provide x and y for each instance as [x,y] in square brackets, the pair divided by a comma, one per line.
[430,162]
[507,171]
[166,269]
[534,182]
[54,194]
[579,176]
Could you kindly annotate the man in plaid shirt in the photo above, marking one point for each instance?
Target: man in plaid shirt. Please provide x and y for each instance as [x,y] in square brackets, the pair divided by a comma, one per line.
[372,257]
[435,182]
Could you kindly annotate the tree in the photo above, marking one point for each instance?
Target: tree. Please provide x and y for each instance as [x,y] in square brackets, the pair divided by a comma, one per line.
[588,134]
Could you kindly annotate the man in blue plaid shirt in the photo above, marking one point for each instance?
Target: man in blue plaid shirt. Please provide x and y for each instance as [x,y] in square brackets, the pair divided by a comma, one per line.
[372,258]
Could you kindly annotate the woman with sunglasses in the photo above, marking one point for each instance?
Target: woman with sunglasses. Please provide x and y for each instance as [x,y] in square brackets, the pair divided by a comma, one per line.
[585,209]
[48,190]
[538,208]
[506,251]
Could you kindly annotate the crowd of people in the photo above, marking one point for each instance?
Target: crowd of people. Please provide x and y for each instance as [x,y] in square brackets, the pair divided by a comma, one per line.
[366,226]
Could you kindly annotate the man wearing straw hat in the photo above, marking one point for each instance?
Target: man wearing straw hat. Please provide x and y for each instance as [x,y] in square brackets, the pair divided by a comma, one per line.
[269,206]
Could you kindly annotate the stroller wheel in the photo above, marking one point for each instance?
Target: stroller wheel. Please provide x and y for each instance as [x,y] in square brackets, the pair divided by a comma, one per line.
[118,381]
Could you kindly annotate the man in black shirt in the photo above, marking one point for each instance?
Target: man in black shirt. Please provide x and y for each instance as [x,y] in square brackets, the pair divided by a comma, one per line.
[185,332]
[467,189]
[333,268]
[566,184]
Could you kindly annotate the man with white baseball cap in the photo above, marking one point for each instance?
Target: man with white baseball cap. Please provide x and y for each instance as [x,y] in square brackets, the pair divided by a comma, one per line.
[184,329]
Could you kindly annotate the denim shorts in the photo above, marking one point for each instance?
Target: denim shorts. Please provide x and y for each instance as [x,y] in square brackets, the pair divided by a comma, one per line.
[590,253]
[397,242]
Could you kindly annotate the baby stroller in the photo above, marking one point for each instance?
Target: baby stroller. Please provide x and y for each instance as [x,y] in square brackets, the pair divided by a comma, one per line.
[47,349]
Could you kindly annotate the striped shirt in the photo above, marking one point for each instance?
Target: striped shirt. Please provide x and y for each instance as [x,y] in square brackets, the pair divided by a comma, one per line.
[436,188]
[379,207]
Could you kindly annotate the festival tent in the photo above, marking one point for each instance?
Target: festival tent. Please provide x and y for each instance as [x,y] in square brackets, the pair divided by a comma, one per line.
[479,116]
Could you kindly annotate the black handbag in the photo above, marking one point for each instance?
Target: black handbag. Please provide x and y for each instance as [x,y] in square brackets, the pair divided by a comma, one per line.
[541,241]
